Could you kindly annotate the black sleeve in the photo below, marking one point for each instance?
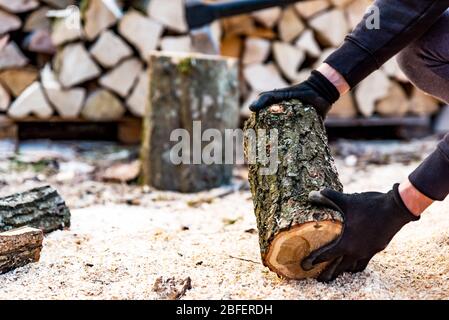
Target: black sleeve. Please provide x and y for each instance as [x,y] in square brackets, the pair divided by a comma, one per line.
[432,176]
[401,22]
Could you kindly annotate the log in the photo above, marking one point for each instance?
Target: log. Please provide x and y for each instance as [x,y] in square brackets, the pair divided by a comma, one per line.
[331,27]
[307,43]
[289,58]
[9,22]
[19,6]
[344,107]
[372,89]
[16,80]
[5,98]
[263,77]
[231,46]
[12,57]
[97,17]
[37,20]
[308,9]
[102,105]
[59,4]
[422,104]
[31,101]
[170,13]
[19,247]
[73,65]
[268,17]
[121,79]
[41,208]
[290,228]
[185,88]
[290,26]
[257,50]
[341,3]
[62,33]
[396,102]
[176,44]
[39,41]
[142,32]
[138,98]
[355,11]
[110,49]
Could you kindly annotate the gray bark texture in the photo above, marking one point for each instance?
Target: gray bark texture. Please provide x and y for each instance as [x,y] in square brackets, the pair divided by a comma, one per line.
[19,247]
[41,208]
[185,88]
[305,164]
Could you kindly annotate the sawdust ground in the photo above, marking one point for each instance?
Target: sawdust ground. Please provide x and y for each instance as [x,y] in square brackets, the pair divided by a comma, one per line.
[118,251]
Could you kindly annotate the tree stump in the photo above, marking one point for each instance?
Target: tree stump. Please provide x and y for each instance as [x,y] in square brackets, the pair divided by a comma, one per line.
[19,247]
[188,91]
[41,208]
[289,226]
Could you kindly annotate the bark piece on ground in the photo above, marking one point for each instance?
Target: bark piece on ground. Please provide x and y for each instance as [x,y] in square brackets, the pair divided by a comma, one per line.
[19,247]
[290,228]
[41,208]
[171,288]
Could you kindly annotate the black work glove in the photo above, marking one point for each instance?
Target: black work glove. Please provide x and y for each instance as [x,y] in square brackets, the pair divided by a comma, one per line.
[316,91]
[371,220]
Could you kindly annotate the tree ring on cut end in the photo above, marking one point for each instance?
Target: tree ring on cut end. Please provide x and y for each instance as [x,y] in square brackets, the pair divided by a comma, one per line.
[290,247]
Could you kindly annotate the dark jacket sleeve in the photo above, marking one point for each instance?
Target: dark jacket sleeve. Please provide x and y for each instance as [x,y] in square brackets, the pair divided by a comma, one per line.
[432,176]
[401,22]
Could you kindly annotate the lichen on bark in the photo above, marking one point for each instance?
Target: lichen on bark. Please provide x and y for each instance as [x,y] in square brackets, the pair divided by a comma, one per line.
[304,164]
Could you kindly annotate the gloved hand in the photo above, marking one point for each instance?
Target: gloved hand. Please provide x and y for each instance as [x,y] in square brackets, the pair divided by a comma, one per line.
[371,220]
[316,91]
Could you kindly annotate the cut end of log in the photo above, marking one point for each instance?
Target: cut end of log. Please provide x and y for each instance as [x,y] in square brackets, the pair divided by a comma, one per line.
[289,248]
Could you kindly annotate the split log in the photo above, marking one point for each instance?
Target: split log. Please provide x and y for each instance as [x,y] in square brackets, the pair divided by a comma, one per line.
[185,88]
[355,11]
[170,13]
[257,50]
[308,44]
[395,103]
[137,101]
[290,26]
[74,65]
[37,20]
[289,58]
[263,77]
[102,105]
[372,89]
[231,46]
[308,9]
[121,79]
[18,79]
[31,101]
[39,41]
[19,6]
[97,17]
[344,107]
[110,49]
[176,44]
[62,32]
[201,41]
[142,32]
[9,22]
[422,104]
[268,17]
[12,57]
[59,4]
[5,98]
[331,27]
[41,208]
[290,228]
[19,247]
[241,25]
[341,3]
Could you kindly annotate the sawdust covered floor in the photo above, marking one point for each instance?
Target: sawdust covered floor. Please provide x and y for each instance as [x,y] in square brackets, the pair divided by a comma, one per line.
[118,252]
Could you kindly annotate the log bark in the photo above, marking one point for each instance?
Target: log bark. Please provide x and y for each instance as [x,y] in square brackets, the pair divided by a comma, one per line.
[19,247]
[289,226]
[41,208]
[185,88]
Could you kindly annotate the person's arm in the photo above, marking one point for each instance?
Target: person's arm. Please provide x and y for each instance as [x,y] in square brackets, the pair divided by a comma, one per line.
[364,51]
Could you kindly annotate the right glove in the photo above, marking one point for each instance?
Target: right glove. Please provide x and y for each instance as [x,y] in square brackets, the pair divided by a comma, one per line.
[316,91]
[371,220]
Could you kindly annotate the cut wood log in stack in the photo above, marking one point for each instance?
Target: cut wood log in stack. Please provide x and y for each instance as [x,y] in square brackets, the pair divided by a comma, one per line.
[98,54]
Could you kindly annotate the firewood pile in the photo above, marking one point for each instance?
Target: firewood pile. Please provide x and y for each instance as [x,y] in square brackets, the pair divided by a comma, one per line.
[50,67]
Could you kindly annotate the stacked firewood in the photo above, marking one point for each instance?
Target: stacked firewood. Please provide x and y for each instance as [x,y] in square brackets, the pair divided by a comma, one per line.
[97,70]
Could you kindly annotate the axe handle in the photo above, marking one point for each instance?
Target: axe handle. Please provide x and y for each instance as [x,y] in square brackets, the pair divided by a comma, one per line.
[236,7]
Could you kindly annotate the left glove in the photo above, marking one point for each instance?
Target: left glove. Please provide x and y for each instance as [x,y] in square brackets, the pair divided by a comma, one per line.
[371,220]
[316,91]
